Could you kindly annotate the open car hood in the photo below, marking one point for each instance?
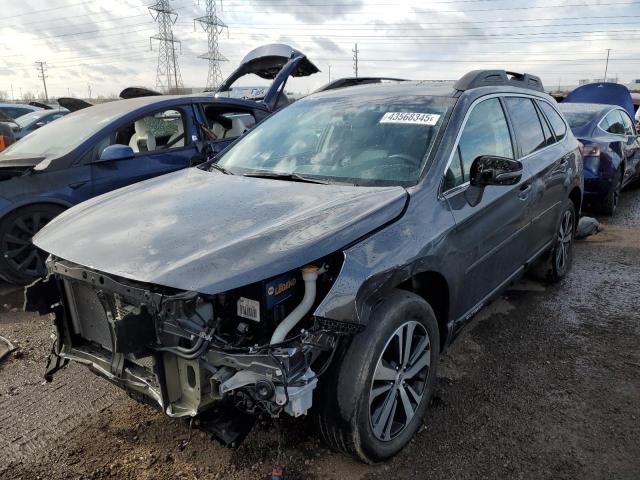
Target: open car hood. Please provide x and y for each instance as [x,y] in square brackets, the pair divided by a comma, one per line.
[607,93]
[276,62]
[73,104]
[43,106]
[208,232]
[135,92]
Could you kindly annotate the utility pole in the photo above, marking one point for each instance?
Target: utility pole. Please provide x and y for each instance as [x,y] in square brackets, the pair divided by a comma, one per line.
[89,89]
[214,26]
[329,73]
[12,97]
[42,67]
[168,73]
[355,60]
[606,66]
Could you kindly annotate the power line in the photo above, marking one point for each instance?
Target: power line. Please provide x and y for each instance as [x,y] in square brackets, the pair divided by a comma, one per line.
[33,12]
[466,10]
[463,22]
[418,26]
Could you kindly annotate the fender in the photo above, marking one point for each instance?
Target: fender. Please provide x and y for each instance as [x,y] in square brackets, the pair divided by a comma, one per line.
[25,202]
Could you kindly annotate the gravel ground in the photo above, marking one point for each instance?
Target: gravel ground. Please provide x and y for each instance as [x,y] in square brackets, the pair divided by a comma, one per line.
[545,384]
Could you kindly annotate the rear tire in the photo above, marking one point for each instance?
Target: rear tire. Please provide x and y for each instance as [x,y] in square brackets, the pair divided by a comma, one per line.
[611,199]
[20,261]
[555,264]
[374,398]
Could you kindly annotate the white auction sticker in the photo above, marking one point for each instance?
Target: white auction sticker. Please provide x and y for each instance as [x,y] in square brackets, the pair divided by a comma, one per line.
[249,309]
[410,117]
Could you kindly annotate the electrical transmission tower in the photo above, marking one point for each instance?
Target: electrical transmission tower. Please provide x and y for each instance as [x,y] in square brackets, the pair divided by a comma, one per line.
[212,24]
[168,75]
[42,66]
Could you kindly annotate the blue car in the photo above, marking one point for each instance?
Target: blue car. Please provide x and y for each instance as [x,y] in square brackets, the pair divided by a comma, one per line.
[104,147]
[611,146]
[29,122]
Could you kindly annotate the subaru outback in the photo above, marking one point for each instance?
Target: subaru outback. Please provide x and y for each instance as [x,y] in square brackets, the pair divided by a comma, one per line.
[324,262]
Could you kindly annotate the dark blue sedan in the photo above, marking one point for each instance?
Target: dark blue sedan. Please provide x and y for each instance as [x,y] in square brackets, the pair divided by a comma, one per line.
[611,150]
[104,147]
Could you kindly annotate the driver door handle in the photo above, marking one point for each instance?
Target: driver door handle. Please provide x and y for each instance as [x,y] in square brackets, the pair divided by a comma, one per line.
[525,189]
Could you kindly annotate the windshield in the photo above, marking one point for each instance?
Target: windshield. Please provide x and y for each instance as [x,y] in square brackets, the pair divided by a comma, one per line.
[578,119]
[29,118]
[62,136]
[362,139]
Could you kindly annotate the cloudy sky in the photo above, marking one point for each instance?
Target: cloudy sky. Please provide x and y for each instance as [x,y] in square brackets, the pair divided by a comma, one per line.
[104,44]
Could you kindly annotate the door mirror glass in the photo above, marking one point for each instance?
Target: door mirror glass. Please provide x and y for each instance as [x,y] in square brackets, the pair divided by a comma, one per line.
[116,152]
[490,170]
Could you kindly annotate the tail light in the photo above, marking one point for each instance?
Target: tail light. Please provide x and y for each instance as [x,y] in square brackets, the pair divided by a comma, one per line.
[591,150]
[591,157]
[3,143]
[581,149]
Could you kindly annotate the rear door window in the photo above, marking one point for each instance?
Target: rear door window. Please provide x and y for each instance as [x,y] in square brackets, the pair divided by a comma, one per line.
[485,133]
[612,123]
[526,124]
[556,121]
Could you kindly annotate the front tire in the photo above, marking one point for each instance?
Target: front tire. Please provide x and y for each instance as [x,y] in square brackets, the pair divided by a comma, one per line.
[374,400]
[20,261]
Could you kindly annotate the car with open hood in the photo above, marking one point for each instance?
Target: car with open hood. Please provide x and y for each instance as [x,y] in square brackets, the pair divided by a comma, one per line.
[323,262]
[601,117]
[103,147]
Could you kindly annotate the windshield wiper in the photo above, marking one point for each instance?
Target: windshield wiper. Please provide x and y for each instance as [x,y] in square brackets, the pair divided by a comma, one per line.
[292,177]
[220,168]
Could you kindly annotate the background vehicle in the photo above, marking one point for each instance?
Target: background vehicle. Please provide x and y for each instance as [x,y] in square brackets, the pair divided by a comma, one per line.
[104,147]
[358,243]
[29,122]
[606,128]
[15,110]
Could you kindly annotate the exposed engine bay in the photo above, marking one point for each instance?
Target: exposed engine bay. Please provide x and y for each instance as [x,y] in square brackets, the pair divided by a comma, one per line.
[256,348]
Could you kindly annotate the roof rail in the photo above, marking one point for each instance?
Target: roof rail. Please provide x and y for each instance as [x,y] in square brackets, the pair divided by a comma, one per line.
[485,78]
[353,81]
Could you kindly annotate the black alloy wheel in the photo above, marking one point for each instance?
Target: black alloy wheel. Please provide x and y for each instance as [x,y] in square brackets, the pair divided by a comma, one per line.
[21,262]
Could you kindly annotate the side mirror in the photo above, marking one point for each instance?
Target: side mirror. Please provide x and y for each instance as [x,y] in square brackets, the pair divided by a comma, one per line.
[489,170]
[116,152]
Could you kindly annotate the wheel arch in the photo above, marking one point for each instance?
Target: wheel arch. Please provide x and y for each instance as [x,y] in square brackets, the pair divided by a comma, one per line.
[576,197]
[36,201]
[433,287]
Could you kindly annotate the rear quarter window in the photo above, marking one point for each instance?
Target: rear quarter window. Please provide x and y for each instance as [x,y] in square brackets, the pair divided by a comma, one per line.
[557,123]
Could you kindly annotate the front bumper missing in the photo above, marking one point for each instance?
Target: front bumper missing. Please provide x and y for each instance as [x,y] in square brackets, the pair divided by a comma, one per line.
[91,328]
[107,353]
[135,380]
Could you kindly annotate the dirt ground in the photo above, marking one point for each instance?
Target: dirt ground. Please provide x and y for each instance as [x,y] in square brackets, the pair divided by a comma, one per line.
[545,384]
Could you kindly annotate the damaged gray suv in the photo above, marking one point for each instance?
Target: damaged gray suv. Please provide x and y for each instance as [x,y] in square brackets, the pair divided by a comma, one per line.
[322,263]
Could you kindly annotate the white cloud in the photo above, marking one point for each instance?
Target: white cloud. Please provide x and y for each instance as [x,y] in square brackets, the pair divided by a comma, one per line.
[105,43]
